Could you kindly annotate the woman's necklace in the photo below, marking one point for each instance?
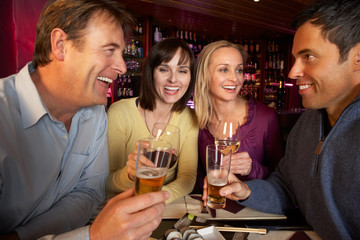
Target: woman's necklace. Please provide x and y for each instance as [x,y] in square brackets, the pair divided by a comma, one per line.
[146,122]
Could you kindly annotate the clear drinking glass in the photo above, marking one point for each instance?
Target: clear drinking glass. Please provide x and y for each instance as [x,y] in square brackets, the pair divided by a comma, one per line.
[228,135]
[171,134]
[217,168]
[152,164]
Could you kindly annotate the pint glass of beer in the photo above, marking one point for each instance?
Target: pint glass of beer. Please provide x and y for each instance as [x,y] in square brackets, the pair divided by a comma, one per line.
[152,164]
[217,167]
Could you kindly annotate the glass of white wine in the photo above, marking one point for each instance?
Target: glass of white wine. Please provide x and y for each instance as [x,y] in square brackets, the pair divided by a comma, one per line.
[171,134]
[228,135]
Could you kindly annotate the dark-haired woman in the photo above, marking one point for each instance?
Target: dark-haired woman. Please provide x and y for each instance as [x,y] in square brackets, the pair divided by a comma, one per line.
[167,84]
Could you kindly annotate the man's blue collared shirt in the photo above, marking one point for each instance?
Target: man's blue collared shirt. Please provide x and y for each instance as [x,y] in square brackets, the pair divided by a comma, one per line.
[51,180]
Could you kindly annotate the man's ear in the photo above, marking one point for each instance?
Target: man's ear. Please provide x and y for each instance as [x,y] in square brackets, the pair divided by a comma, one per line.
[356,57]
[58,37]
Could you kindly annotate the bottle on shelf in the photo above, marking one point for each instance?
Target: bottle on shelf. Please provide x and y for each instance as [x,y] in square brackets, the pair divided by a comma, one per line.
[280,94]
[190,41]
[246,46]
[125,87]
[140,49]
[133,48]
[195,45]
[140,28]
[157,35]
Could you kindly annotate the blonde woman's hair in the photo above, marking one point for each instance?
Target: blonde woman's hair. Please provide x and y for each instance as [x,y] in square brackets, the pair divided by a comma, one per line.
[202,100]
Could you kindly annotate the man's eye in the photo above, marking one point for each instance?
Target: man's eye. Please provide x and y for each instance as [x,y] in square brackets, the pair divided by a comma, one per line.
[110,51]
[309,56]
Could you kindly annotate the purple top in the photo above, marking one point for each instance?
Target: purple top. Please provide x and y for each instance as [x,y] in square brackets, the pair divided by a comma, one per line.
[260,136]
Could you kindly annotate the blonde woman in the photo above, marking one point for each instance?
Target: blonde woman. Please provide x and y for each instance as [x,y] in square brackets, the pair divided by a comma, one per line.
[219,78]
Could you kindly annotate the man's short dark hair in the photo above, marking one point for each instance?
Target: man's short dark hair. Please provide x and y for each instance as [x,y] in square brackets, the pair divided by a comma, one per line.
[339,21]
[72,17]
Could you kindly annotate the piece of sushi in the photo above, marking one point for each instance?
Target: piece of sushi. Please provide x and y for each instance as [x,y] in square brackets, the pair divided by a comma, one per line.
[173,234]
[195,236]
[186,231]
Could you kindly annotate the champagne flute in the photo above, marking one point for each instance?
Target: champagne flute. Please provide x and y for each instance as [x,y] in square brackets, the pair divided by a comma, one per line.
[228,135]
[171,134]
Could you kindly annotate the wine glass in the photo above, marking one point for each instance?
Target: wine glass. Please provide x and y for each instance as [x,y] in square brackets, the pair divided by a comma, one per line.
[228,135]
[171,134]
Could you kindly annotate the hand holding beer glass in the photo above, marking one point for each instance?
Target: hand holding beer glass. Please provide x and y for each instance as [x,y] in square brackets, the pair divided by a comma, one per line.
[152,164]
[217,168]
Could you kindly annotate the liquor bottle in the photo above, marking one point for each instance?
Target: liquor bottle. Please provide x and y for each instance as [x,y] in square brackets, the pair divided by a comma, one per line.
[182,35]
[280,93]
[140,49]
[190,41]
[137,28]
[246,46]
[128,47]
[252,63]
[186,38]
[257,49]
[130,88]
[195,46]
[157,35]
[133,48]
[251,47]
[120,84]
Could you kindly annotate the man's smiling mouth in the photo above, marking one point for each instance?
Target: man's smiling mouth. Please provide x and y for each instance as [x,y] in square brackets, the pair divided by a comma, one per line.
[105,79]
[304,86]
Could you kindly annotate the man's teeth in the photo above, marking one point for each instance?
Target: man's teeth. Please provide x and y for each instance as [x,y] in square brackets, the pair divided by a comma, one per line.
[229,87]
[172,88]
[305,86]
[105,79]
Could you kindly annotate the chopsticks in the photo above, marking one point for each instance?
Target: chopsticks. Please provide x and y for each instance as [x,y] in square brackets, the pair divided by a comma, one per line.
[236,229]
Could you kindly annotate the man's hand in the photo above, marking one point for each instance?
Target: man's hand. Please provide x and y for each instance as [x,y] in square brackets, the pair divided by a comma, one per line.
[234,190]
[129,217]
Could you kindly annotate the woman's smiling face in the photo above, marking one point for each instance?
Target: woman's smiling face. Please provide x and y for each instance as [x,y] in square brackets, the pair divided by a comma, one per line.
[226,71]
[172,79]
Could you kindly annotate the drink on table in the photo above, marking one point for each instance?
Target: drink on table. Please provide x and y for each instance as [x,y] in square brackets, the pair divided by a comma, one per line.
[218,168]
[152,164]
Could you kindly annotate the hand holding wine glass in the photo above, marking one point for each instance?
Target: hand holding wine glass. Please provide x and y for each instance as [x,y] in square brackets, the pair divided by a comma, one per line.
[171,134]
[228,134]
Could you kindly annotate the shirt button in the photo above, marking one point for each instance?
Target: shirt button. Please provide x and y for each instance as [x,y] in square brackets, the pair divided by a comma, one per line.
[64,137]
[47,197]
